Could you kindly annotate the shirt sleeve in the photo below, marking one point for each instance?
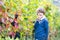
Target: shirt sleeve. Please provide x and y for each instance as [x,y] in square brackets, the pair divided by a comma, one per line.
[46,28]
[35,26]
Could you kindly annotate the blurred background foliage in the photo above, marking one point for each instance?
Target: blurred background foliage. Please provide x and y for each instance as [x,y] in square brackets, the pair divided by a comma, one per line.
[27,14]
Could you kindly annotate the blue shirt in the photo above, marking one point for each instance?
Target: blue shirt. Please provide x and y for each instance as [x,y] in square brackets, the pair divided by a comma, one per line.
[41,29]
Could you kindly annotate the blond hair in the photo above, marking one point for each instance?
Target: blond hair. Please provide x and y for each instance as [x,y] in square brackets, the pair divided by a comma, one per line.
[40,10]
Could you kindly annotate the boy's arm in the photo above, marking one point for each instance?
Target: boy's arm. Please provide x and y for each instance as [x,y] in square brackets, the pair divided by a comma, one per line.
[34,26]
[46,28]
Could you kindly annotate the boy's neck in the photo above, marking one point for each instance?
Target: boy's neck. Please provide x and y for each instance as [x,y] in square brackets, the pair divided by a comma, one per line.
[43,17]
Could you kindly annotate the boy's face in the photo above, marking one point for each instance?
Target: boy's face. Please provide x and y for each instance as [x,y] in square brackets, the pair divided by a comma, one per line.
[40,15]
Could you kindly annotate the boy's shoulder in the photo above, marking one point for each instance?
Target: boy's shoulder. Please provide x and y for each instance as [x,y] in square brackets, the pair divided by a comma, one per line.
[45,20]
